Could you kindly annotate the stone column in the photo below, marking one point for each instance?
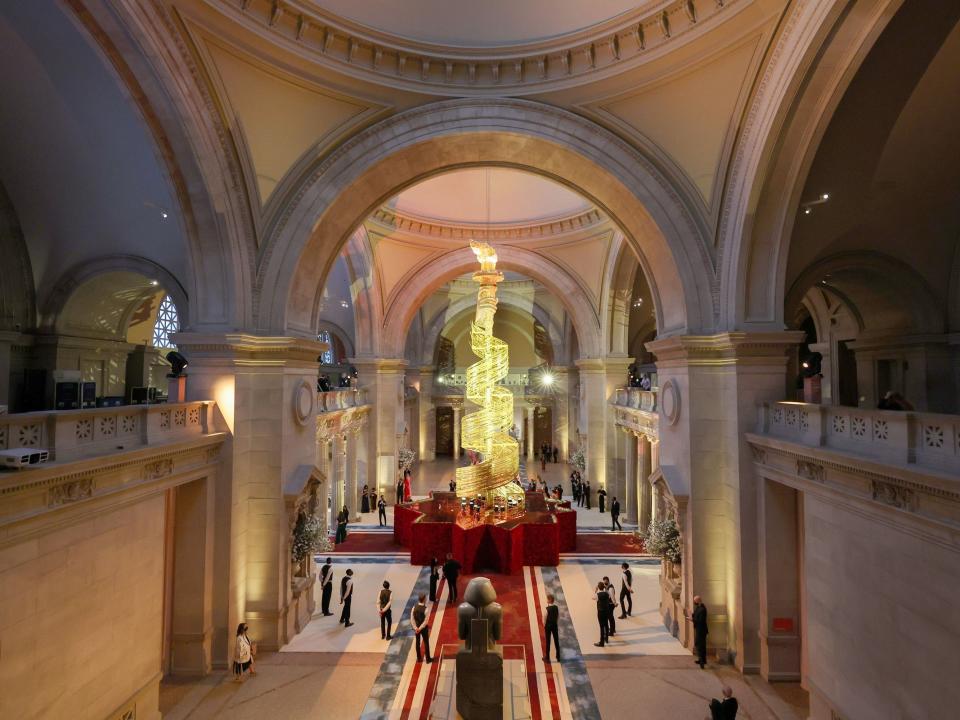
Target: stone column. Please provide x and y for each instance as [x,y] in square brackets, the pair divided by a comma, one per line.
[265,390]
[382,379]
[561,419]
[531,453]
[710,387]
[353,489]
[599,377]
[457,412]
[428,416]
[339,474]
[630,501]
[644,470]
[323,492]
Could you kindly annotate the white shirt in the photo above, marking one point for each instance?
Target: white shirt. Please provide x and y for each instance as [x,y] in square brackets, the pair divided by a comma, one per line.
[612,593]
[347,589]
[243,649]
[628,580]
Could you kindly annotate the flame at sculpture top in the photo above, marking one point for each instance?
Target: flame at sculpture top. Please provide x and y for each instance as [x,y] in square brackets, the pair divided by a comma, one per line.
[486,429]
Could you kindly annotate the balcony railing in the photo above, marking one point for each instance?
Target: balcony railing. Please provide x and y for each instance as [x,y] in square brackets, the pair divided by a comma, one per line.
[636,398]
[75,434]
[929,440]
[341,399]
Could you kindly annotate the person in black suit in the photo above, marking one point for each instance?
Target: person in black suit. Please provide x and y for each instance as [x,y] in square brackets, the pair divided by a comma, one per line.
[626,592]
[699,618]
[382,510]
[551,628]
[451,571]
[399,491]
[725,709]
[586,493]
[615,515]
[603,611]
[346,597]
[326,587]
[602,498]
[421,631]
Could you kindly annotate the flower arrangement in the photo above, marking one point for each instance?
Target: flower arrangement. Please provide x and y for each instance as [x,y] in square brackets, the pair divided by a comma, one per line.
[579,459]
[662,537]
[307,537]
[406,457]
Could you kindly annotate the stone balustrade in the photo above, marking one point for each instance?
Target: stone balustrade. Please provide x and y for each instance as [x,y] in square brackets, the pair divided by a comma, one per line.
[341,399]
[636,398]
[927,440]
[76,434]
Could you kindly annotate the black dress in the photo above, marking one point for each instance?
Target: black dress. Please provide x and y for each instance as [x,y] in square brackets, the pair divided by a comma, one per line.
[365,502]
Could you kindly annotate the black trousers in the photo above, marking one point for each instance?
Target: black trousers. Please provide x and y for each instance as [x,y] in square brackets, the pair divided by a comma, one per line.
[345,613]
[423,637]
[612,621]
[433,588]
[626,602]
[452,585]
[325,598]
[383,516]
[616,522]
[386,624]
[602,503]
[604,627]
[548,632]
[700,643]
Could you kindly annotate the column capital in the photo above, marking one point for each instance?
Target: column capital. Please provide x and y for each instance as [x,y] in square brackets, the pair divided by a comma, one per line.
[730,348]
[378,365]
[611,363]
[247,349]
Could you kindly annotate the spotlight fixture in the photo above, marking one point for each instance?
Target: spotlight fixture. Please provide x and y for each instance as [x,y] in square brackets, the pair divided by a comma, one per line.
[807,211]
[154,283]
[344,304]
[163,214]
[807,206]
[177,364]
[546,378]
[638,302]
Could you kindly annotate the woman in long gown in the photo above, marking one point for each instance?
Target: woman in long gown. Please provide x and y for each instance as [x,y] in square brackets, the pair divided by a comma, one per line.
[365,500]
[406,486]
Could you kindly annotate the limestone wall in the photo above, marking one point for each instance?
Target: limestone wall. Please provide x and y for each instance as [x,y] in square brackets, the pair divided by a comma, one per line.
[883,622]
[81,616]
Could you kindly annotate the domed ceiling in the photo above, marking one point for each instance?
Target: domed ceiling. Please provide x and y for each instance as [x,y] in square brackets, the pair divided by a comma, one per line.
[478,24]
[500,196]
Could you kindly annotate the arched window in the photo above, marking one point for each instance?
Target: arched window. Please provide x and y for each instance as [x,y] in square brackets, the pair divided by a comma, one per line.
[168,322]
[327,357]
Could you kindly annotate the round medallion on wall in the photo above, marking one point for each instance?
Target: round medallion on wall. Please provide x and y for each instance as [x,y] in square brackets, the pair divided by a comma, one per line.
[670,402]
[303,400]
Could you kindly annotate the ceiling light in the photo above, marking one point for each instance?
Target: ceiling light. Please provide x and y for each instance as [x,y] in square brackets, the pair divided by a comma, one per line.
[154,283]
[807,211]
[638,302]
[344,304]
[546,379]
[825,196]
[163,214]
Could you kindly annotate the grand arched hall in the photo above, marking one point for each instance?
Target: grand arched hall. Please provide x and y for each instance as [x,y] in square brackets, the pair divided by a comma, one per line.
[647,313]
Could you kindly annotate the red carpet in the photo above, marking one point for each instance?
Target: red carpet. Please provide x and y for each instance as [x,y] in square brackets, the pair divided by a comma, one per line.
[608,543]
[511,593]
[361,542]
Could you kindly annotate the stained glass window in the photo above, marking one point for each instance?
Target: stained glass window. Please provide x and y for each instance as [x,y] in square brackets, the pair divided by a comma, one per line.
[168,322]
[327,357]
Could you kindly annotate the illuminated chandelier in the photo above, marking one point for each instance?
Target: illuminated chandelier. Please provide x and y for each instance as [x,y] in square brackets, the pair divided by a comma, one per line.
[486,430]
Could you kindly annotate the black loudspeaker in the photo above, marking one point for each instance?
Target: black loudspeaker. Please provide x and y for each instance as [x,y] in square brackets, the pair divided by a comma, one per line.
[110,401]
[88,395]
[66,396]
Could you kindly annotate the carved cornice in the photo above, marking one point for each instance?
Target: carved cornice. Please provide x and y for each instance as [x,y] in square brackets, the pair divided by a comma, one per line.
[734,348]
[391,219]
[604,49]
[256,350]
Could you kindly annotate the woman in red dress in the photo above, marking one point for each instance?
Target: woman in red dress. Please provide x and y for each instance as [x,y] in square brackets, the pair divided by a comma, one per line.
[406,486]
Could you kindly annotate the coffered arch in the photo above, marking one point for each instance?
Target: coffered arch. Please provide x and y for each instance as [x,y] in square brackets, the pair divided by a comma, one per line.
[337,194]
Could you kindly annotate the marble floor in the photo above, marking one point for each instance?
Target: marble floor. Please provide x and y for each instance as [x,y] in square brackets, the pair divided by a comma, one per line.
[329,671]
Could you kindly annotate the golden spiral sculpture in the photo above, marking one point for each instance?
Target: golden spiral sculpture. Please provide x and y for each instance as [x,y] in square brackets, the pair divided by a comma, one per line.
[486,430]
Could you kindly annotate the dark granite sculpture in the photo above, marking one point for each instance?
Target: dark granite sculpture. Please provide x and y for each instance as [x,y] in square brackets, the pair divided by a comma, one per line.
[480,660]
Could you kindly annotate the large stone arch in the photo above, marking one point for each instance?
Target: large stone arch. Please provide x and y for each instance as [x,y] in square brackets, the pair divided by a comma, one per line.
[339,191]
[619,276]
[810,67]
[468,304]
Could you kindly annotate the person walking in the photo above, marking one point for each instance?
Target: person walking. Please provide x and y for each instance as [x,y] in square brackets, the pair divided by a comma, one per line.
[326,587]
[242,654]
[434,578]
[399,491]
[556,454]
[626,592]
[587,494]
[575,489]
[551,628]
[346,597]
[700,631]
[343,517]
[384,603]
[614,515]
[451,571]
[382,511]
[603,608]
[602,499]
[612,617]
[725,709]
[421,631]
